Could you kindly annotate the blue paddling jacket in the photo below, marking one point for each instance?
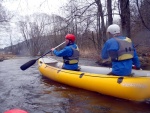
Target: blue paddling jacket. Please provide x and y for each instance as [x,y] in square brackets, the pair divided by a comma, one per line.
[122,67]
[67,52]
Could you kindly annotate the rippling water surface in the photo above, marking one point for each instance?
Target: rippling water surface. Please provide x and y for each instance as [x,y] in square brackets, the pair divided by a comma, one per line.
[29,91]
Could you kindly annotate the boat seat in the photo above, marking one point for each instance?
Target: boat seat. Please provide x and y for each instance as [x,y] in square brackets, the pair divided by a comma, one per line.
[79,69]
[131,75]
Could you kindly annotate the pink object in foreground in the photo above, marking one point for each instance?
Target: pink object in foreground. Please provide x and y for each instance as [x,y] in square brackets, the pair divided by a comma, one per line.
[15,111]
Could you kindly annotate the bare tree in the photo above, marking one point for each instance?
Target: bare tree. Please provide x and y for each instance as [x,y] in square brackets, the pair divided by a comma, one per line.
[5,17]
[101,25]
[109,10]
[33,29]
[143,9]
[125,16]
[4,14]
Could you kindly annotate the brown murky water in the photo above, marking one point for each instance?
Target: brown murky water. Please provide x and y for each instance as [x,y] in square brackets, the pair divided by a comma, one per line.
[29,91]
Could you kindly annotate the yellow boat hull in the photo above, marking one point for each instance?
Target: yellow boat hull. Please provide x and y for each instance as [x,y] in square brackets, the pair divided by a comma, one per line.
[131,88]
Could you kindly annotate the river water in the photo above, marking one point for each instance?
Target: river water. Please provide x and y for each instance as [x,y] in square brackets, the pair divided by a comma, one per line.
[29,91]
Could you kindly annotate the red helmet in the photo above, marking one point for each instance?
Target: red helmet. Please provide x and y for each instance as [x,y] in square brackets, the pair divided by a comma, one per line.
[70,37]
[15,111]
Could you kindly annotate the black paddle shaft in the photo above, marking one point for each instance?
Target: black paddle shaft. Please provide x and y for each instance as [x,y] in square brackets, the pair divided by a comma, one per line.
[28,64]
[31,62]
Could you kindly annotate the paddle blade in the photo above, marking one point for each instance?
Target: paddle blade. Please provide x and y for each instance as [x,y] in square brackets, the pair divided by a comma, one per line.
[27,65]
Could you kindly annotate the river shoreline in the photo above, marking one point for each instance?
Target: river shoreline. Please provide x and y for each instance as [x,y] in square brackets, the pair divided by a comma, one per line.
[94,61]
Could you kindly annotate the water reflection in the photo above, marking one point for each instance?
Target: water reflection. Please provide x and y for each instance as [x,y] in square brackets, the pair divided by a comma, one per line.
[90,102]
[30,91]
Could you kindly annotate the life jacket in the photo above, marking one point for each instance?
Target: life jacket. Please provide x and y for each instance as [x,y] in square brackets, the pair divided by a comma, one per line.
[126,50]
[74,59]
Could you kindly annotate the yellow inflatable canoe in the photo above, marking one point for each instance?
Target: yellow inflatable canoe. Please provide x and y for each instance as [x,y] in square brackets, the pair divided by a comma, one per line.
[135,88]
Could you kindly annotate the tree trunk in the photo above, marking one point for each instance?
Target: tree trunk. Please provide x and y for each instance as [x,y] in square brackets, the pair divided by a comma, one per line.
[101,26]
[125,17]
[109,10]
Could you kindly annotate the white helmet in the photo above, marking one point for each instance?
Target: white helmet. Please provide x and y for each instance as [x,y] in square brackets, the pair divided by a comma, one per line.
[113,29]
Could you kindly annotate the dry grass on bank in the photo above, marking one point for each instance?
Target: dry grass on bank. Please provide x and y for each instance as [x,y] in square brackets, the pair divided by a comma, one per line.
[6,56]
[89,54]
